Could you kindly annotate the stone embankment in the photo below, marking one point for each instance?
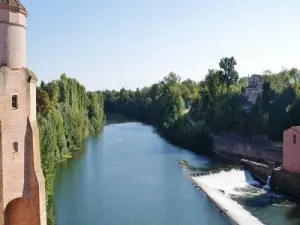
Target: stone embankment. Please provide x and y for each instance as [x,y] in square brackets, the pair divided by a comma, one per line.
[239,147]
[259,171]
[261,159]
[247,149]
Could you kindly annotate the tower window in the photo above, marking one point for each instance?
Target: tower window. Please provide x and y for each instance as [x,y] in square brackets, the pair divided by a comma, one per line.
[15,147]
[294,139]
[14,102]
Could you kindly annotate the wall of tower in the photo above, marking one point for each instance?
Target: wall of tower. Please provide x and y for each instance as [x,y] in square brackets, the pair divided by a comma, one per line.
[12,39]
[14,125]
[21,174]
[32,98]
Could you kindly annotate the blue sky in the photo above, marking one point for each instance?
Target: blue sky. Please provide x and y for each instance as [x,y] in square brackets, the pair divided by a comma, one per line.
[110,44]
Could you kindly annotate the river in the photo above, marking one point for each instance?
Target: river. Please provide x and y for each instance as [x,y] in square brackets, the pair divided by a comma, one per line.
[129,175]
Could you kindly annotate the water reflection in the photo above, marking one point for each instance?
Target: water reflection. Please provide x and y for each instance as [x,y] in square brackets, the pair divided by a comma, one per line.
[130,175]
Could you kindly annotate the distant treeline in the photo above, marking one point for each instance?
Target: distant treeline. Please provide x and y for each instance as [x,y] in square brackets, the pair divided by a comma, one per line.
[217,104]
[163,105]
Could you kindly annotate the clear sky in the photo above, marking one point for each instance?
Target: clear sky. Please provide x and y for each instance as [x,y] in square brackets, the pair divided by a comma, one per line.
[110,44]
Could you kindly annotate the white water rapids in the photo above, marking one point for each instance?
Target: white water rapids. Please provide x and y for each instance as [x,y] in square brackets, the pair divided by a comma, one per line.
[234,182]
[222,186]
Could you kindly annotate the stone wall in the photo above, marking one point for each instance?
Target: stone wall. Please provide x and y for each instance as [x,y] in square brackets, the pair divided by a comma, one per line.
[286,182]
[247,149]
[259,171]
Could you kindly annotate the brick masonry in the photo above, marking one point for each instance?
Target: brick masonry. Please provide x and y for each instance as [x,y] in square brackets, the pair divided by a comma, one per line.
[12,39]
[21,175]
[22,185]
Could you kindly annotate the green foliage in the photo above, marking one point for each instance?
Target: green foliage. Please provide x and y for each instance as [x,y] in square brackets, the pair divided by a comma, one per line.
[228,75]
[43,102]
[162,105]
[95,111]
[277,108]
[189,90]
[53,91]
[66,115]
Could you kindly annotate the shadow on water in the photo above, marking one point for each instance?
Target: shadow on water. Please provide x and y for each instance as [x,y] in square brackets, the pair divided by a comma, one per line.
[112,118]
[273,203]
[293,213]
[214,166]
[262,201]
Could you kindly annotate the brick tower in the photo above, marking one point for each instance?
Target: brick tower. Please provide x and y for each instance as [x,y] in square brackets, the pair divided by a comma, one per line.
[22,186]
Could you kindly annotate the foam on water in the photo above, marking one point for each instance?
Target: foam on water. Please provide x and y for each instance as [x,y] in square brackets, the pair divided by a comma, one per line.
[236,189]
[231,183]
[234,182]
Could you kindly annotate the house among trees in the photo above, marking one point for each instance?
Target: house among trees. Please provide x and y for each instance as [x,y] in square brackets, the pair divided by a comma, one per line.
[291,147]
[253,90]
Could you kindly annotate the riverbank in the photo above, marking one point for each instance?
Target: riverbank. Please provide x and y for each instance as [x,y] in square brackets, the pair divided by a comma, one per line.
[232,210]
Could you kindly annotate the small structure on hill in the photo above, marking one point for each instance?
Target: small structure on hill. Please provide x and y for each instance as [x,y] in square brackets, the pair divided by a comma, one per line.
[291,149]
[252,91]
[254,88]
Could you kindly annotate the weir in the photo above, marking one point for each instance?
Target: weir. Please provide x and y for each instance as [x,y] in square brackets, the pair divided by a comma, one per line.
[226,180]
[218,186]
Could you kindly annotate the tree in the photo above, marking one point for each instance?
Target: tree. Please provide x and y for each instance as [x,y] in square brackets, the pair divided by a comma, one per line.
[43,103]
[213,84]
[171,82]
[267,96]
[294,74]
[189,89]
[53,92]
[95,112]
[228,75]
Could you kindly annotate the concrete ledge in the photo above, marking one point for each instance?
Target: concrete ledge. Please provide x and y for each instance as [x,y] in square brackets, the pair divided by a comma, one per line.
[232,210]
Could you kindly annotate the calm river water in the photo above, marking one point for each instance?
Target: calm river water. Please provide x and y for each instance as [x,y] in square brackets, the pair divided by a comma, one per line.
[128,175]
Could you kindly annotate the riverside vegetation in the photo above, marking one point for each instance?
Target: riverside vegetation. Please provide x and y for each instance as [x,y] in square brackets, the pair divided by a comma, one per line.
[67,113]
